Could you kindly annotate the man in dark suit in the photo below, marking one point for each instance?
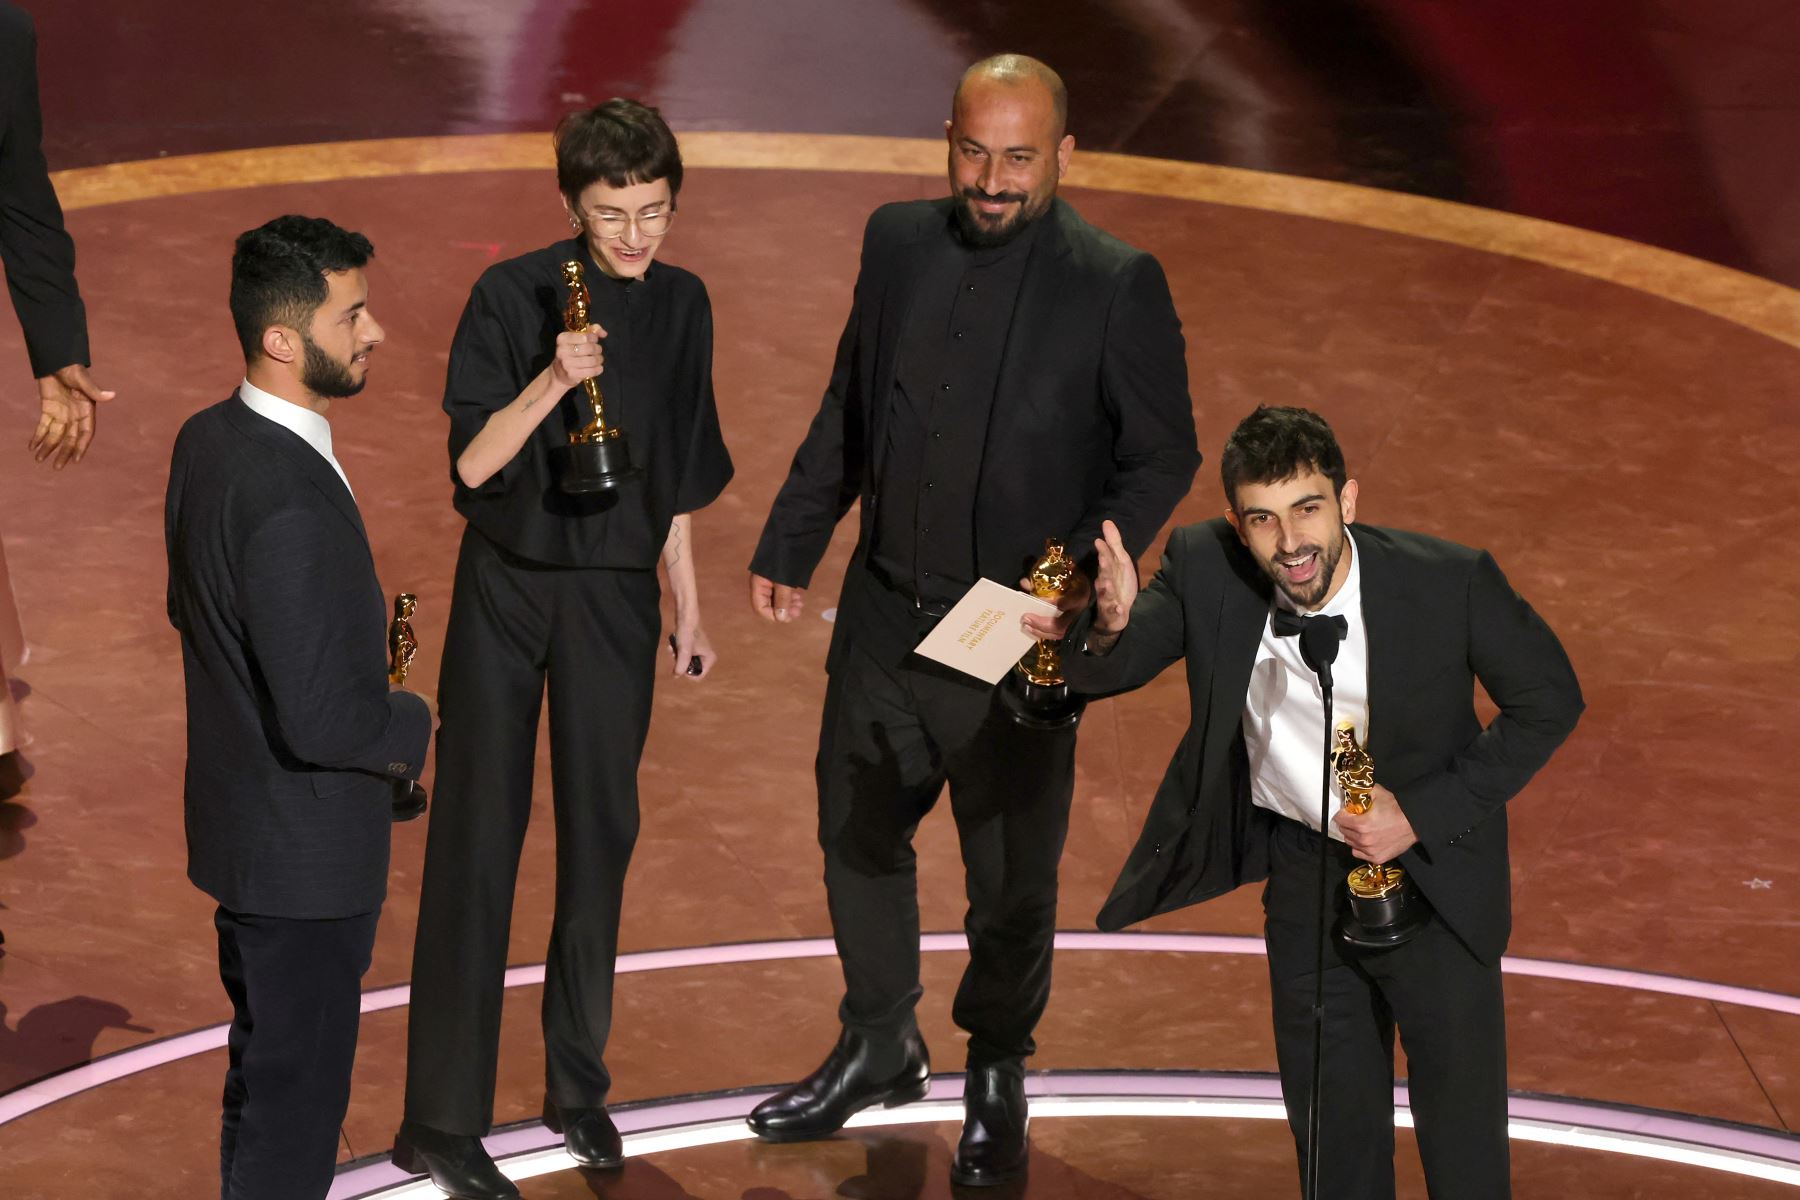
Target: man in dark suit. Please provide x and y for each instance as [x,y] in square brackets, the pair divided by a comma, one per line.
[40,257]
[294,737]
[1008,374]
[1420,621]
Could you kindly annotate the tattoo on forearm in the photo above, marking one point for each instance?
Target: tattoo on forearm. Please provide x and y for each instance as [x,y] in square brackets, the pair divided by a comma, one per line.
[672,548]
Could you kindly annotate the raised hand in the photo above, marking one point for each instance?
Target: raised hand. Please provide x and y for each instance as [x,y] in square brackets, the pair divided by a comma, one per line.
[1115,581]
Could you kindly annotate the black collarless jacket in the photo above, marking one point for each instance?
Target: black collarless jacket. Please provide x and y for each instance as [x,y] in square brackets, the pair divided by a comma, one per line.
[293,735]
[1439,618]
[37,252]
[1090,420]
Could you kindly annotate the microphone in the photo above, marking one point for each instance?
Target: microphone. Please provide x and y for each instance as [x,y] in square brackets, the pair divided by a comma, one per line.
[1319,640]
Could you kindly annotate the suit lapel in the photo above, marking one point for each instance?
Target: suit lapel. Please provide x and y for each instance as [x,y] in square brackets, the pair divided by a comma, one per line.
[293,450]
[910,268]
[1384,627]
[1242,614]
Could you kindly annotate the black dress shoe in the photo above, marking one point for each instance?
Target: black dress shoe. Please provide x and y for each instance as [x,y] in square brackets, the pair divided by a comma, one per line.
[994,1147]
[456,1162]
[589,1135]
[843,1086]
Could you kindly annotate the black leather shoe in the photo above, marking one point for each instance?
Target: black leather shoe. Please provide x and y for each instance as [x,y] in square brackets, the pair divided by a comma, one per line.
[843,1086]
[994,1146]
[589,1135]
[456,1162]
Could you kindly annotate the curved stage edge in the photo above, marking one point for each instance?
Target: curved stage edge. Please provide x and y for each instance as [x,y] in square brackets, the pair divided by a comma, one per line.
[685,1122]
[1751,301]
[528,1150]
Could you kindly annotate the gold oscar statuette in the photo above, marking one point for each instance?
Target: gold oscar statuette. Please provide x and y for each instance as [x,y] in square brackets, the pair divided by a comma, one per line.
[596,458]
[1050,578]
[409,796]
[1036,693]
[402,645]
[575,320]
[1385,906]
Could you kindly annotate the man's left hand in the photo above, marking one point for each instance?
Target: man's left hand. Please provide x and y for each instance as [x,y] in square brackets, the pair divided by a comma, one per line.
[66,406]
[1380,835]
[1068,606]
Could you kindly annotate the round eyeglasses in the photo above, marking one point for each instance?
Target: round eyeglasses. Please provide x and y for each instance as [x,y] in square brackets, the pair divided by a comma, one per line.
[612,225]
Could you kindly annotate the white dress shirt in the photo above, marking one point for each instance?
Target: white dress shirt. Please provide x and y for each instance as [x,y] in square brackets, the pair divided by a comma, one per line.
[1284,710]
[313,429]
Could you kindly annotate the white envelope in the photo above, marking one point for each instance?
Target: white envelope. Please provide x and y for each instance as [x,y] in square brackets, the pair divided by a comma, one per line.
[981,635]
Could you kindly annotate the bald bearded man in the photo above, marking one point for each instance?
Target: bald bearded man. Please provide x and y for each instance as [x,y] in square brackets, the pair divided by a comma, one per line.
[1008,374]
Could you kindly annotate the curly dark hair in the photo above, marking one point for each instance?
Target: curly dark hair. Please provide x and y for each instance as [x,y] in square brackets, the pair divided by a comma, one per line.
[1272,444]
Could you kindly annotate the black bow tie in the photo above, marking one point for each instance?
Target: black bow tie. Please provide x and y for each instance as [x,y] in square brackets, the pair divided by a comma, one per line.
[1287,623]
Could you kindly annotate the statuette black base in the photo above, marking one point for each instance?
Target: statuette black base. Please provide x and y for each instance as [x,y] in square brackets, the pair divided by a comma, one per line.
[409,800]
[1383,922]
[1039,705]
[586,467]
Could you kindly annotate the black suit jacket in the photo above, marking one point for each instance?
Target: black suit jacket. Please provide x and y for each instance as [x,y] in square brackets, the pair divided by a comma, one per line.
[37,251]
[293,735]
[1439,617]
[1091,417]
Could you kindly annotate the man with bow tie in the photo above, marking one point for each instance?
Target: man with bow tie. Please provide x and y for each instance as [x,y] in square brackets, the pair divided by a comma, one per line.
[1418,622]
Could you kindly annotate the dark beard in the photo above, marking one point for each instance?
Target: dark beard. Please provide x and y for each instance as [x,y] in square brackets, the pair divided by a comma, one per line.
[1329,558]
[980,236]
[323,375]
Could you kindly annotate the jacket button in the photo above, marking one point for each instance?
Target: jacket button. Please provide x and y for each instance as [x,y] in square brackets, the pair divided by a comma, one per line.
[1192,807]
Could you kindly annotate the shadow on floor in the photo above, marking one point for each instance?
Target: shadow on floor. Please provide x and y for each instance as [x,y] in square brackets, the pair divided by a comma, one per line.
[53,1037]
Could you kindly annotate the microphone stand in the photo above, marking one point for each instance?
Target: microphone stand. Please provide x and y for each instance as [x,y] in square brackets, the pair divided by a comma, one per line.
[1319,647]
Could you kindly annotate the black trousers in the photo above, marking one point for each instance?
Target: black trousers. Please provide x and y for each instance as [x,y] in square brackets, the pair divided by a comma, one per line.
[592,635]
[896,728]
[1447,1006]
[296,996]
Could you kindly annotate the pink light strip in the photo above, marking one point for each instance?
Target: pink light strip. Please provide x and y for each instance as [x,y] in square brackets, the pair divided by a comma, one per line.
[33,1096]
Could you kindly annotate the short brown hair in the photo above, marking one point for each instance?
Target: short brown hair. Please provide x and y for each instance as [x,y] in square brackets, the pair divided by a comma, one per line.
[618,143]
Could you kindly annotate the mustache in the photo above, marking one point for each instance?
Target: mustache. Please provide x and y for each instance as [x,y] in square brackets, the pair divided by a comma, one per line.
[970,193]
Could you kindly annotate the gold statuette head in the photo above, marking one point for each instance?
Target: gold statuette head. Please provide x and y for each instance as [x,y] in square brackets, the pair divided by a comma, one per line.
[1354,769]
[575,317]
[1050,577]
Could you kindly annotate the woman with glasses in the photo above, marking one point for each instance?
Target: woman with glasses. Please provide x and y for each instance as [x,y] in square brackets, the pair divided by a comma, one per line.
[559,590]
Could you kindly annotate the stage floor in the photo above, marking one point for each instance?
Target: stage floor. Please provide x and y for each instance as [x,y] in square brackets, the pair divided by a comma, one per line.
[1616,424]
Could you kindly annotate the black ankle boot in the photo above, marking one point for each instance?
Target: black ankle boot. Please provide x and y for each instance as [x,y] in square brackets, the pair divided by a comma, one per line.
[994,1147]
[843,1086]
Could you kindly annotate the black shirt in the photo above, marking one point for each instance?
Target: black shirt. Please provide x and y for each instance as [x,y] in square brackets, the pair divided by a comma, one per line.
[658,390]
[947,367]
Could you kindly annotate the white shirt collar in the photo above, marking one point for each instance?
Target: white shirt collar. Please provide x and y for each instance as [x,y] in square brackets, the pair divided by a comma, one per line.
[312,427]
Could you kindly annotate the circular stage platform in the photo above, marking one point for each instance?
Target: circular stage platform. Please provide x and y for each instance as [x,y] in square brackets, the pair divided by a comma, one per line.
[1618,424]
